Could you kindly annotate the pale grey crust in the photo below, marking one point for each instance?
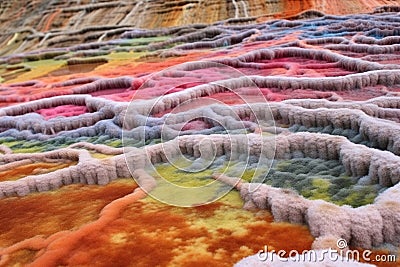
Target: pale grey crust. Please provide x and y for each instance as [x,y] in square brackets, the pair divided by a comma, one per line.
[366,226]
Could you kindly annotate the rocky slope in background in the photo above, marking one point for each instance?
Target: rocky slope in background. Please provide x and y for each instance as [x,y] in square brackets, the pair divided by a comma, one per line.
[25,23]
